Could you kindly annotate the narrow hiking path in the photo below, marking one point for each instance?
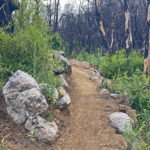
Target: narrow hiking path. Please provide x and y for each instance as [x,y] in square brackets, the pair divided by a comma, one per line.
[83,126]
[87,127]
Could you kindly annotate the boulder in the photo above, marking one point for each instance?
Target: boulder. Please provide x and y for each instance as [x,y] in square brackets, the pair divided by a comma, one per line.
[23,97]
[66,63]
[104,93]
[44,130]
[120,121]
[64,100]
[19,82]
[63,82]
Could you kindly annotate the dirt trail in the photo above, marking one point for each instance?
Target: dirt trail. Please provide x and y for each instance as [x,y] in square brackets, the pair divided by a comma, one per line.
[84,126]
[87,128]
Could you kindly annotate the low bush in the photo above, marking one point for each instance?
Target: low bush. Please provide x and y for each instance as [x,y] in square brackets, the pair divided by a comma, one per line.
[30,47]
[119,64]
[138,138]
[135,89]
[84,56]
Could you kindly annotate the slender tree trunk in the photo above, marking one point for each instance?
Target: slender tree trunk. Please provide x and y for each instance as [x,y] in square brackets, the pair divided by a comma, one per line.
[49,8]
[89,23]
[57,3]
[112,36]
[128,32]
[147,60]
[101,27]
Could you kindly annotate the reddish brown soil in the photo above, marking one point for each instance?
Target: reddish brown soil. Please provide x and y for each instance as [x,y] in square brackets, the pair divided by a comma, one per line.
[84,126]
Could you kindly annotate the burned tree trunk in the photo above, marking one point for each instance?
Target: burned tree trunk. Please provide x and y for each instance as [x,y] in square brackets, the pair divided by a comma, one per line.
[6,9]
[147,60]
[101,27]
[128,32]
[56,16]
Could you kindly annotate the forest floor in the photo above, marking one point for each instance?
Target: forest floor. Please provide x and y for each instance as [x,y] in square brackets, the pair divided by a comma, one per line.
[83,126]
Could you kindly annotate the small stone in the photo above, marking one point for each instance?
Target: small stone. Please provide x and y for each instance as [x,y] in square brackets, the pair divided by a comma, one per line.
[62,53]
[115,96]
[92,64]
[122,108]
[93,78]
[64,100]
[63,81]
[104,93]
[59,70]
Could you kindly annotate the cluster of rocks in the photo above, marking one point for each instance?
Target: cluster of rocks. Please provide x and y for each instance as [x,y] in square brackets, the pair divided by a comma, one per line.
[26,104]
[124,119]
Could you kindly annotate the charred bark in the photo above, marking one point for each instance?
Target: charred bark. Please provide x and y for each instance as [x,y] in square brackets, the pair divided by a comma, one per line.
[6,9]
[101,27]
[128,32]
[147,51]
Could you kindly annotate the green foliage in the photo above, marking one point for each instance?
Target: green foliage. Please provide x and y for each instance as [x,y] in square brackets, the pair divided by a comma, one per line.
[84,56]
[129,82]
[56,42]
[135,88]
[135,138]
[119,64]
[29,48]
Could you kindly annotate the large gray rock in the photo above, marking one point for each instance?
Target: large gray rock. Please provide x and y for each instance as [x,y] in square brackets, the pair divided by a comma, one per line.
[60,57]
[43,130]
[104,93]
[120,121]
[19,82]
[64,83]
[64,100]
[23,97]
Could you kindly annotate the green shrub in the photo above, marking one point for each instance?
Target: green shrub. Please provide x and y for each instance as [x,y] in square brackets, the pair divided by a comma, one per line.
[29,48]
[119,64]
[84,56]
[135,138]
[135,88]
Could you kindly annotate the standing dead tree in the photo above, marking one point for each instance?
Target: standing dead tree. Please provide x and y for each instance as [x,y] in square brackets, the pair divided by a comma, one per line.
[147,60]
[6,9]
[128,32]
[101,27]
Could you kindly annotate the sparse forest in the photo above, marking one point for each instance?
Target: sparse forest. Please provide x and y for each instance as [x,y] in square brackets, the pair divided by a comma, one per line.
[111,35]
